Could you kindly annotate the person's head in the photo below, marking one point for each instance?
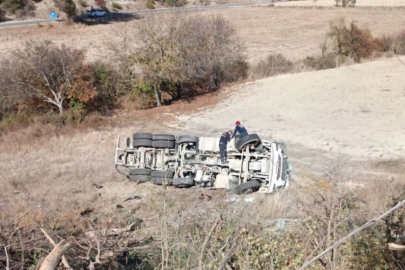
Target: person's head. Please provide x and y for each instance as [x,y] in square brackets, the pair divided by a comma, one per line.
[237,123]
[230,132]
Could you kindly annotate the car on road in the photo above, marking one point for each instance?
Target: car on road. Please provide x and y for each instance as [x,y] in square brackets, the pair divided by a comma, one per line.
[185,161]
[96,13]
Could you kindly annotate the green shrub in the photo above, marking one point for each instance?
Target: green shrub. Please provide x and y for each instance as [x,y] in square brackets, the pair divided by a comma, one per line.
[175,3]
[116,5]
[150,4]
[142,95]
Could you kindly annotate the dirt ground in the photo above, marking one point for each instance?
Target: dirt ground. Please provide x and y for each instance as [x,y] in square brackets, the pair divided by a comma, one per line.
[296,33]
[355,110]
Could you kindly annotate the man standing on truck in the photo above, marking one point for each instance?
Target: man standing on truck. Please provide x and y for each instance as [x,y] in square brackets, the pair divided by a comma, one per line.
[241,129]
[223,142]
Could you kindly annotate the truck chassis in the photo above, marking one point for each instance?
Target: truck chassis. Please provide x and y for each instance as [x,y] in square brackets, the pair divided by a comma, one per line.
[184,161]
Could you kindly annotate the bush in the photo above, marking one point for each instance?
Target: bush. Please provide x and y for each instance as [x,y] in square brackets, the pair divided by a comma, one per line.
[326,61]
[2,15]
[184,55]
[385,43]
[399,43]
[175,3]
[20,8]
[67,6]
[150,4]
[116,5]
[352,40]
[83,3]
[273,65]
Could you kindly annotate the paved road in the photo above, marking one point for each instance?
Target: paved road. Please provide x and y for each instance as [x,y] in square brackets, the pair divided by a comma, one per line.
[21,23]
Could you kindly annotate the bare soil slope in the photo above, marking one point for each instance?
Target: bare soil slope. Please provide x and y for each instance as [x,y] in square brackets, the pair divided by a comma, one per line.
[356,110]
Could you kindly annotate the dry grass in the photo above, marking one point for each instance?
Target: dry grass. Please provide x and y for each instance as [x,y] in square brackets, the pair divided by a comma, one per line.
[263,30]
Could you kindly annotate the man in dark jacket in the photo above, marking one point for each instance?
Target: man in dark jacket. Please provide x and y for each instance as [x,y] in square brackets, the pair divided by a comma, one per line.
[223,142]
[239,129]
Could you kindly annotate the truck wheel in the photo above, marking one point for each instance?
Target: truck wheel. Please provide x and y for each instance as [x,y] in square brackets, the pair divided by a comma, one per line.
[163,137]
[140,172]
[249,185]
[141,143]
[187,139]
[147,136]
[162,174]
[163,144]
[140,178]
[248,139]
[162,181]
[183,182]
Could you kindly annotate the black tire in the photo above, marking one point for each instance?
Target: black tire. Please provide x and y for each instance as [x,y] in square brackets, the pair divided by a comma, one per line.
[140,178]
[248,139]
[163,144]
[161,181]
[163,137]
[162,174]
[146,136]
[141,143]
[183,182]
[140,172]
[249,185]
[187,139]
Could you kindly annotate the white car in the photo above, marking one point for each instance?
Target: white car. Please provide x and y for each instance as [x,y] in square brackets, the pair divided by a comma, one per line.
[252,164]
[96,13]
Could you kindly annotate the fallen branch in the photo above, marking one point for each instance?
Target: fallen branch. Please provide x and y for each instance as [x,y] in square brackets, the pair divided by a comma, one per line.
[206,240]
[52,260]
[64,261]
[7,260]
[393,246]
[112,232]
[339,242]
[228,255]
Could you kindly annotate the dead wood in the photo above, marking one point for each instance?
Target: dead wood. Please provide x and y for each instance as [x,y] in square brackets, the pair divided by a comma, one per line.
[64,261]
[53,259]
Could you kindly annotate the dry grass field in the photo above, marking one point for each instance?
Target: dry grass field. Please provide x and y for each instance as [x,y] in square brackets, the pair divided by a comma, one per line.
[65,181]
[293,32]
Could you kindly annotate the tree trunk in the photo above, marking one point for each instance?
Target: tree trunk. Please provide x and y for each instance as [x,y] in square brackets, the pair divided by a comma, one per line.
[60,107]
[157,95]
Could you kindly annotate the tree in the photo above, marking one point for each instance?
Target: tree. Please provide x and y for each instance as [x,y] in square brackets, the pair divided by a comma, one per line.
[67,6]
[44,71]
[184,54]
[2,15]
[20,8]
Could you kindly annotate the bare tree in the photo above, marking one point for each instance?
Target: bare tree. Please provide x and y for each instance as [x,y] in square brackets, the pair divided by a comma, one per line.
[43,70]
[183,52]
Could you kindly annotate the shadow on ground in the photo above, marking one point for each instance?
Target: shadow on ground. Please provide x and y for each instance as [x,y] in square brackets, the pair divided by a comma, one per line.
[109,18]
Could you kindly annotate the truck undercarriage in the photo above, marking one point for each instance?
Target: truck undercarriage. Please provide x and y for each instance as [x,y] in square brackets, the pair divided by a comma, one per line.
[252,164]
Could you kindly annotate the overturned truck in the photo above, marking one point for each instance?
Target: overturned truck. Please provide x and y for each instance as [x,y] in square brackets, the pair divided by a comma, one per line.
[252,164]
